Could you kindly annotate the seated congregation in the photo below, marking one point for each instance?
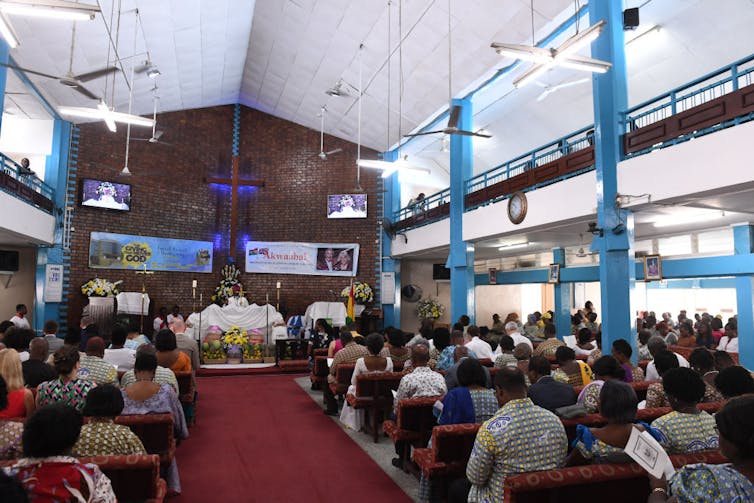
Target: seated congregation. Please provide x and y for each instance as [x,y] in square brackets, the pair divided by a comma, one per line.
[469,409]
[82,419]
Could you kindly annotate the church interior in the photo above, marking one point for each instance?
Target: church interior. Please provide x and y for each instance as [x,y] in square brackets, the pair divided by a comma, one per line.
[417,250]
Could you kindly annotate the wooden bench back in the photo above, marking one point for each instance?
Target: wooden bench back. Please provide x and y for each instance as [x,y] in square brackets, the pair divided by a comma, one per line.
[154,430]
[453,443]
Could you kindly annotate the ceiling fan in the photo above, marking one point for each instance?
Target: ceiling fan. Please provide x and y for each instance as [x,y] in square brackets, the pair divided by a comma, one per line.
[322,154]
[549,89]
[156,133]
[70,79]
[455,110]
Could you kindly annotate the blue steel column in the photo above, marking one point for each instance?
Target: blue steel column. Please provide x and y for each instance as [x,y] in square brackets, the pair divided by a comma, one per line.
[617,270]
[461,257]
[391,204]
[562,298]
[56,176]
[743,242]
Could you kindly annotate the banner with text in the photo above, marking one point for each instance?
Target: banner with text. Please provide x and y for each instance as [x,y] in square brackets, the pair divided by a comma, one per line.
[122,251]
[327,259]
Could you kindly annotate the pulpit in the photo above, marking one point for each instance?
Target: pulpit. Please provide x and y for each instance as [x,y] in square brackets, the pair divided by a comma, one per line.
[130,306]
[101,311]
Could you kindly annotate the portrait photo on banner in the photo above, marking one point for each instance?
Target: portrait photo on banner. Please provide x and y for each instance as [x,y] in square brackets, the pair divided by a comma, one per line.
[335,259]
[347,206]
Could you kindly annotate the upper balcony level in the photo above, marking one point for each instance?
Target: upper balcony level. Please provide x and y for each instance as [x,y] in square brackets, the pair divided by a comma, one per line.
[23,184]
[713,102]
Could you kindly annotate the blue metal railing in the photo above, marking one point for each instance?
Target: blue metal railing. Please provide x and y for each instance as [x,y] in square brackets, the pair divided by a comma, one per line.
[429,202]
[16,171]
[547,153]
[697,92]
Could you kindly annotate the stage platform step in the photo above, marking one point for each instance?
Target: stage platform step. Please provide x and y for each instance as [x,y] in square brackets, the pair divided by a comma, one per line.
[229,369]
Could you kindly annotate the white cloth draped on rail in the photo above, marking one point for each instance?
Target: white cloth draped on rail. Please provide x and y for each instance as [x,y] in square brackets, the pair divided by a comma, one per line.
[335,311]
[233,315]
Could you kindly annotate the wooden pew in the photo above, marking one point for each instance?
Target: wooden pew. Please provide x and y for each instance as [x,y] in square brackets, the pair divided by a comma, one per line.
[413,425]
[374,394]
[318,375]
[446,459]
[187,394]
[155,431]
[343,375]
[616,483]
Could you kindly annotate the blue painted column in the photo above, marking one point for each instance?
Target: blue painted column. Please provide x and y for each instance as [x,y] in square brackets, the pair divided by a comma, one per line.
[617,270]
[4,58]
[391,204]
[563,299]
[461,257]
[743,242]
[56,176]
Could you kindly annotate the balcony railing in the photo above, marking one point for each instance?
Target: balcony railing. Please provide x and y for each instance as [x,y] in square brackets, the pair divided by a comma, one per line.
[719,99]
[27,187]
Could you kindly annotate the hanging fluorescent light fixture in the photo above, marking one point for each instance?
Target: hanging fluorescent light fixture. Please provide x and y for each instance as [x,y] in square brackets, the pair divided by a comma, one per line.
[55,9]
[564,55]
[6,30]
[391,167]
[103,113]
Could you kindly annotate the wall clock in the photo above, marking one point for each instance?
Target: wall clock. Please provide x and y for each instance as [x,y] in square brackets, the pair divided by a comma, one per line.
[517,207]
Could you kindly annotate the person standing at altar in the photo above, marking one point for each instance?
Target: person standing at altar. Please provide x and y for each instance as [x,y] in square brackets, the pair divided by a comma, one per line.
[175,314]
[161,320]
[325,261]
[19,319]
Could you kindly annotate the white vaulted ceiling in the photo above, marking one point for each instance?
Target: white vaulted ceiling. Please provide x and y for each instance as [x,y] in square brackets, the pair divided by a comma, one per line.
[280,56]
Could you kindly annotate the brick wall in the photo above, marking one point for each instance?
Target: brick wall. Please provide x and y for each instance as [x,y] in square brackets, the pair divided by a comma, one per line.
[171,199]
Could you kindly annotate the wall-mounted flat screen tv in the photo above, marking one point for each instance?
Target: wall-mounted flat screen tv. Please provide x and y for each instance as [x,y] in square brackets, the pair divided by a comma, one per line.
[104,194]
[347,206]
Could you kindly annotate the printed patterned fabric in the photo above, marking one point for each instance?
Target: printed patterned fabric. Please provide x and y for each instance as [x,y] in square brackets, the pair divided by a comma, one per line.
[505,360]
[594,449]
[422,381]
[161,376]
[521,437]
[548,348]
[42,479]
[72,392]
[656,396]
[165,400]
[637,374]
[711,483]
[349,354]
[105,438]
[680,433]
[10,439]
[590,396]
[711,394]
[98,370]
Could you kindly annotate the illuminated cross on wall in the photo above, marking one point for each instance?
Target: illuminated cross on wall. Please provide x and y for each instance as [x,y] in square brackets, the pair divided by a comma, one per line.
[234,182]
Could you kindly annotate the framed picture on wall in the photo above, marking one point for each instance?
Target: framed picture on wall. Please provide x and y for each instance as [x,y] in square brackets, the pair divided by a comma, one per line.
[652,268]
[553,273]
[493,276]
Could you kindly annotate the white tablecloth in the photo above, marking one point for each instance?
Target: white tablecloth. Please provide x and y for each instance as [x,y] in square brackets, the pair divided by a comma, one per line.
[247,318]
[336,311]
[130,302]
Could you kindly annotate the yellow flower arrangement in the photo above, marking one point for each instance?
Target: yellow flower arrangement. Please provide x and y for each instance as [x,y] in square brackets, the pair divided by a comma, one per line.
[362,292]
[98,287]
[429,308]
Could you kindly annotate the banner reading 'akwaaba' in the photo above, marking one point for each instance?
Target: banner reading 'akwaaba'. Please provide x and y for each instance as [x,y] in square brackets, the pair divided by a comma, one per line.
[326,259]
[122,251]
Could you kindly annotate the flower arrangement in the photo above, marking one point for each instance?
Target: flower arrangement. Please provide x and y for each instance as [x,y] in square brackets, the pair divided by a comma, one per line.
[98,287]
[235,337]
[229,285]
[429,308]
[362,292]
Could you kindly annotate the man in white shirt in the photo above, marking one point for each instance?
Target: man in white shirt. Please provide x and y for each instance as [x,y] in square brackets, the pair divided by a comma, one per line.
[656,344]
[175,313]
[161,320]
[481,348]
[122,357]
[185,343]
[20,320]
[511,328]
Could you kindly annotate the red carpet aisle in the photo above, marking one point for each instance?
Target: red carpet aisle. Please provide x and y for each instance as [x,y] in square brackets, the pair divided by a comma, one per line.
[262,439]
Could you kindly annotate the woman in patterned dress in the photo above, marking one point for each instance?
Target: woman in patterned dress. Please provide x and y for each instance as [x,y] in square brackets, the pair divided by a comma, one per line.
[664,361]
[47,470]
[101,436]
[703,363]
[570,370]
[685,429]
[618,404]
[10,431]
[148,397]
[731,482]
[67,388]
[605,369]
